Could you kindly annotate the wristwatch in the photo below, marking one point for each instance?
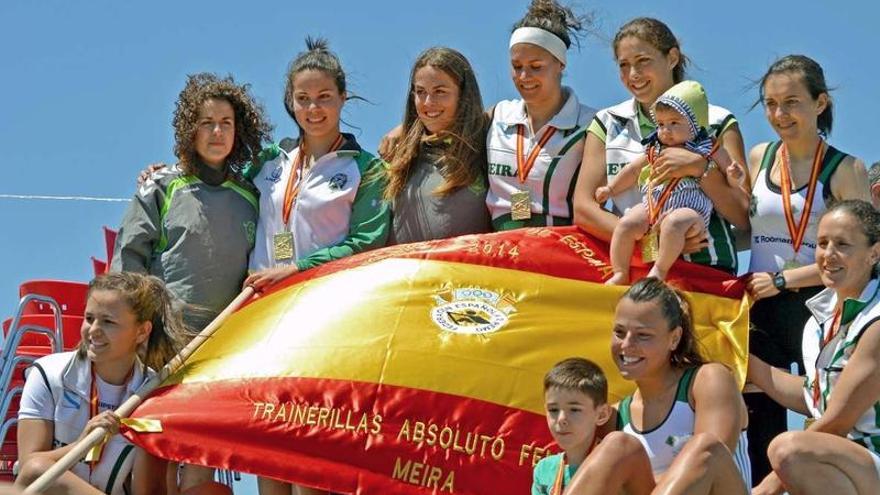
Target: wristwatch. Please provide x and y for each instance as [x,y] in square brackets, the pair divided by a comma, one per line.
[779,281]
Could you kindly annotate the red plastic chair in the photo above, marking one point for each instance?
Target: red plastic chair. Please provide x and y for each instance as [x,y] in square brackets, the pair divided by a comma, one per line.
[98,266]
[8,456]
[71,327]
[70,296]
[109,243]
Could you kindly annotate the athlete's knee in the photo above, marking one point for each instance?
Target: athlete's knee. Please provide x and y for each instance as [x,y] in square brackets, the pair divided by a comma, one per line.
[788,449]
[620,447]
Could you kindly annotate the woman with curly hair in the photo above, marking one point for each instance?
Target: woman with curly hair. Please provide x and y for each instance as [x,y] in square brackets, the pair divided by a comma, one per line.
[193,225]
[436,177]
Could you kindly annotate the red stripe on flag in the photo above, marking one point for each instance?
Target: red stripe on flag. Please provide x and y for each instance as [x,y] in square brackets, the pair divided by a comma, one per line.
[565,252]
[348,436]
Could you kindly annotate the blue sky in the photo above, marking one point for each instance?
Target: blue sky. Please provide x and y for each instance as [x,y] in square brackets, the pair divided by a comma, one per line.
[89,87]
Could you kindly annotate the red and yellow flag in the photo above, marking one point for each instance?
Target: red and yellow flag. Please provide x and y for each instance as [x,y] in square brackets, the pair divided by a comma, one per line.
[416,368]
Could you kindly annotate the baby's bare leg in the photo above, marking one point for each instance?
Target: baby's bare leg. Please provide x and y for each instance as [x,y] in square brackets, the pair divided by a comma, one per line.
[631,227]
[673,230]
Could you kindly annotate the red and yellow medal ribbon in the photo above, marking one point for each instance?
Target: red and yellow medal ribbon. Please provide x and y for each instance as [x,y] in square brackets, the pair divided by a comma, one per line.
[294,180]
[797,231]
[656,206]
[524,165]
[94,455]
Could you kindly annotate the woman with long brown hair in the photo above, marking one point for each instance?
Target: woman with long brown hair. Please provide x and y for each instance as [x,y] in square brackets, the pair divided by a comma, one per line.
[436,177]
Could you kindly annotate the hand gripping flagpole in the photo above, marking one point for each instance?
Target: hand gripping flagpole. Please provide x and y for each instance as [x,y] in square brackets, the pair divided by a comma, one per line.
[81,448]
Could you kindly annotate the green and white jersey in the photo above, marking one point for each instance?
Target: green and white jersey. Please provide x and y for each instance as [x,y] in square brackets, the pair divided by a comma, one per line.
[551,180]
[338,212]
[825,364]
[622,128]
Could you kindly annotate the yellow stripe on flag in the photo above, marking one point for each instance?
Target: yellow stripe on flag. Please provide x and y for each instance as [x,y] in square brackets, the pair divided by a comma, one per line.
[377,324]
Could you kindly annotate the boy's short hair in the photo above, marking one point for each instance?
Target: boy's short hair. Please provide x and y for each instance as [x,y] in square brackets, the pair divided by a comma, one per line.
[580,375]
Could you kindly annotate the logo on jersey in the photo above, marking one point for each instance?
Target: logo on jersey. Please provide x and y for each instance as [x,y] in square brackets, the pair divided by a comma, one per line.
[275,176]
[471,311]
[338,181]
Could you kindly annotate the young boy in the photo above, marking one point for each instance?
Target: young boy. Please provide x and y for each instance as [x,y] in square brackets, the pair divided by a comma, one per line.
[576,400]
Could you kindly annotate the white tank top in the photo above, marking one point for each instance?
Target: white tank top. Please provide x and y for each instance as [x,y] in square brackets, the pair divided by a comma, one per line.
[771,241]
[663,442]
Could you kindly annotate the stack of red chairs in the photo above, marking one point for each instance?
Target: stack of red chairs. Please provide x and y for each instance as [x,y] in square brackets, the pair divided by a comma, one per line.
[48,319]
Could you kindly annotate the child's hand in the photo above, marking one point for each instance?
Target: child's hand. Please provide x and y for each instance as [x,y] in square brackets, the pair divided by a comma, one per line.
[603,193]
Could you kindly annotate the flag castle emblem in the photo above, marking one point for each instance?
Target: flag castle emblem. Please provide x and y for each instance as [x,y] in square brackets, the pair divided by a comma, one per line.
[471,310]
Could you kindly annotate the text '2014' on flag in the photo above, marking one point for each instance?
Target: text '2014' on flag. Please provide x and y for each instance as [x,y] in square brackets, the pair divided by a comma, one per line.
[415,368]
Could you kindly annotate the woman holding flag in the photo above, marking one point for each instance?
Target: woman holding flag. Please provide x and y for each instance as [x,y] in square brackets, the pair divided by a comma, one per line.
[129,330]
[793,180]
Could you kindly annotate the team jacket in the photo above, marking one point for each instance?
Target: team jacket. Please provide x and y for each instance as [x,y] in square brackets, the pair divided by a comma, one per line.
[193,235]
[339,210]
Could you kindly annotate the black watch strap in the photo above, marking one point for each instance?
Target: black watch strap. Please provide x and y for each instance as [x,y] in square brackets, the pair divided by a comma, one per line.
[779,281]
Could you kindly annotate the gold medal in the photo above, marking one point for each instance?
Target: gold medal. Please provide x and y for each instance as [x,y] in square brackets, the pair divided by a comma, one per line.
[520,205]
[283,244]
[789,264]
[521,201]
[650,246]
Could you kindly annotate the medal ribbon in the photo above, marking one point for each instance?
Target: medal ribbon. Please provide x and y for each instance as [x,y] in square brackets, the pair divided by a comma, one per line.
[826,338]
[654,208]
[294,180]
[524,165]
[95,455]
[798,231]
[560,471]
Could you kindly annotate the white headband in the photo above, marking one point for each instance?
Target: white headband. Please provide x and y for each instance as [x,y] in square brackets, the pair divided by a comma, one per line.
[542,38]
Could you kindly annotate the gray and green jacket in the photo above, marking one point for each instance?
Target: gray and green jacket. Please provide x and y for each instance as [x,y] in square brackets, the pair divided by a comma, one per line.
[193,235]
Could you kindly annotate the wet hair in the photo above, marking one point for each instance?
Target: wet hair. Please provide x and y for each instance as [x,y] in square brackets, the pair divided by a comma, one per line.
[814,80]
[865,214]
[149,300]
[579,375]
[657,34]
[464,155]
[557,19]
[317,56]
[677,313]
[252,128]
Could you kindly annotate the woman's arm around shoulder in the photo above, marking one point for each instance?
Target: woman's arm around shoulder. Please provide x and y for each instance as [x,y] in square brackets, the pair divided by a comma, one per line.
[718,404]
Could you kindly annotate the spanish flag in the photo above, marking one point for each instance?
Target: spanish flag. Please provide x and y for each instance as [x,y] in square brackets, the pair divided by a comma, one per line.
[414,369]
